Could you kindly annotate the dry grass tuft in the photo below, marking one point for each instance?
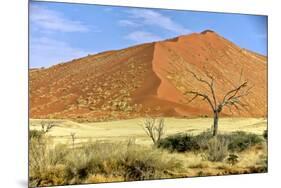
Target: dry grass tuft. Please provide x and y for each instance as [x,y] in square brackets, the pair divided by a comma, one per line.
[96,162]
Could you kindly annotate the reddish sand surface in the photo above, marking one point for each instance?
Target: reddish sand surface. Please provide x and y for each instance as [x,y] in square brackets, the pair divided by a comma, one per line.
[149,79]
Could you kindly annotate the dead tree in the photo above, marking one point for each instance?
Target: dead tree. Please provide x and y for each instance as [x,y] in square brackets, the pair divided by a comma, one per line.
[46,126]
[154,128]
[231,99]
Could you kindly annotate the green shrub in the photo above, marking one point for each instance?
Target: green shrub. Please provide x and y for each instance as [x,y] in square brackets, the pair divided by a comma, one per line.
[239,141]
[179,143]
[217,149]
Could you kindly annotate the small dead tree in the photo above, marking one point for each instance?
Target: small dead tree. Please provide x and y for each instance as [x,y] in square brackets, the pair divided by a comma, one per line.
[154,128]
[232,98]
[46,126]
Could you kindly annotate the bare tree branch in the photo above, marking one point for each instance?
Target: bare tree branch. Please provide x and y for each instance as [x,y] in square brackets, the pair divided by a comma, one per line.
[210,85]
[46,126]
[203,96]
[231,99]
[154,128]
[234,92]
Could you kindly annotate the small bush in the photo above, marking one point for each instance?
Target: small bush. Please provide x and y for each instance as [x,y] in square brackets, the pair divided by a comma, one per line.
[217,149]
[179,143]
[239,141]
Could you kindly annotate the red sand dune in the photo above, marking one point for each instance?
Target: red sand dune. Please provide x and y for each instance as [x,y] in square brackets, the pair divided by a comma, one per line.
[148,79]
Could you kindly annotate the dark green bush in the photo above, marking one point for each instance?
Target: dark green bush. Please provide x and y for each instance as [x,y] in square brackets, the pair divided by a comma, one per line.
[239,141]
[179,143]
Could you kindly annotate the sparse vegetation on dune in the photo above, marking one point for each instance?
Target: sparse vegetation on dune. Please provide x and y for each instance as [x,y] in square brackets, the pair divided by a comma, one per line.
[79,89]
[177,155]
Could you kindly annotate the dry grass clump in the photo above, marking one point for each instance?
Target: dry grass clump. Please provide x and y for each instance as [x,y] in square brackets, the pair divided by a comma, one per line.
[96,162]
[217,149]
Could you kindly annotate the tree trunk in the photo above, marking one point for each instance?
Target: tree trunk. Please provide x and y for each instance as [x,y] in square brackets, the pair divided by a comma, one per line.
[216,120]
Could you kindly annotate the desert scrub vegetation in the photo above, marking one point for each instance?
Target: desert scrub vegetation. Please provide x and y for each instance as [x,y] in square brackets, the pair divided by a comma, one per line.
[239,141]
[94,162]
[215,148]
[179,143]
[179,155]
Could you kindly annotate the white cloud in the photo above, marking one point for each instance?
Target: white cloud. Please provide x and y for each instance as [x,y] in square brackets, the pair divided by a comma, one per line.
[45,52]
[154,18]
[51,20]
[126,23]
[142,37]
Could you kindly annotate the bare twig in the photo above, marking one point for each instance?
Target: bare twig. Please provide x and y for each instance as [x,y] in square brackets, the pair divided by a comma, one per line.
[46,126]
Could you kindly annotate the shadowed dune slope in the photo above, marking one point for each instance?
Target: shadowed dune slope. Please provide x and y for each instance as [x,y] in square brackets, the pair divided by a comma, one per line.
[149,79]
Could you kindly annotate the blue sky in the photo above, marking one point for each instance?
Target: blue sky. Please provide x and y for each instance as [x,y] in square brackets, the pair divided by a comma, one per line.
[60,32]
